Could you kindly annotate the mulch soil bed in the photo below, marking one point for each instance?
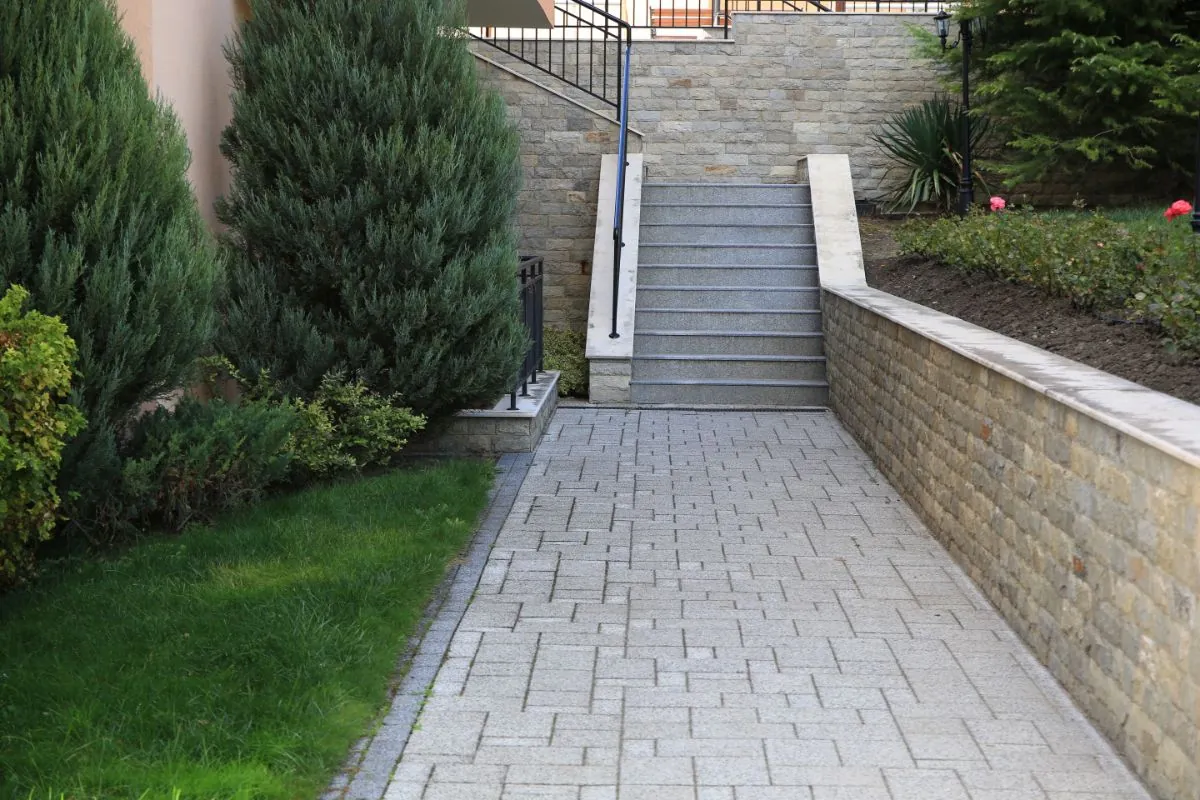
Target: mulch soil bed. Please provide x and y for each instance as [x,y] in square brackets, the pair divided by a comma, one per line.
[1099,339]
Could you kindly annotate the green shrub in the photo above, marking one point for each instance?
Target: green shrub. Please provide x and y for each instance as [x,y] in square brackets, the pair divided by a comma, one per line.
[565,353]
[99,223]
[926,142]
[371,214]
[1147,266]
[203,458]
[36,356]
[346,427]
[1171,299]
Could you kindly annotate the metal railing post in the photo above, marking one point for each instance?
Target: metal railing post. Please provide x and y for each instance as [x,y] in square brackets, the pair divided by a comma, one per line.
[622,166]
[526,308]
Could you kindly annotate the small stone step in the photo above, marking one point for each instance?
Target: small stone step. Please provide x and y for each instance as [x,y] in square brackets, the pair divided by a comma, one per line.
[741,233]
[729,367]
[808,394]
[730,297]
[725,193]
[750,343]
[726,213]
[752,276]
[750,255]
[725,319]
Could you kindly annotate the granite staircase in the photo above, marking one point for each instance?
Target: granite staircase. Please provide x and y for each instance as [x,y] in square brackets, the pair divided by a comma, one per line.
[728,298]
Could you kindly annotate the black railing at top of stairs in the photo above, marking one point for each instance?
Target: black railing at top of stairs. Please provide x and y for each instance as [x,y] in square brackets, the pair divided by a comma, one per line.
[585,48]
[661,16]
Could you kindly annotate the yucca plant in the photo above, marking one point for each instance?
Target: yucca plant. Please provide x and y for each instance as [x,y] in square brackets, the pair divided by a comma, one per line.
[926,142]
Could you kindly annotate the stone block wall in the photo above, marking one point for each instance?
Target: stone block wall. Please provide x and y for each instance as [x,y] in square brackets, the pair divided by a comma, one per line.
[562,143]
[495,431]
[785,86]
[745,109]
[1085,536]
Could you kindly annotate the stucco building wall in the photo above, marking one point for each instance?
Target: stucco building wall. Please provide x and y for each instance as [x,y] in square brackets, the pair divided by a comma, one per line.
[181,47]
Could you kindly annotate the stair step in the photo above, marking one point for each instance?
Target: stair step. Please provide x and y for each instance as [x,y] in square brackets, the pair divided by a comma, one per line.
[742,254]
[747,343]
[729,368]
[726,215]
[766,393]
[741,298]
[728,319]
[757,234]
[724,193]
[664,275]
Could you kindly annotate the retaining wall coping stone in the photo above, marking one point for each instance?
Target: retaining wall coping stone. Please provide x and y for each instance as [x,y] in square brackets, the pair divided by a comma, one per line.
[1159,420]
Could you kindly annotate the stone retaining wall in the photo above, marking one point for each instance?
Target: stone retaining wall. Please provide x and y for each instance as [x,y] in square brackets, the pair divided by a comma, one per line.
[745,109]
[1069,496]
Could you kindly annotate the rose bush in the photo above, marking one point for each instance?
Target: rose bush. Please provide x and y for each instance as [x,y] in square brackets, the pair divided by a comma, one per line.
[1142,268]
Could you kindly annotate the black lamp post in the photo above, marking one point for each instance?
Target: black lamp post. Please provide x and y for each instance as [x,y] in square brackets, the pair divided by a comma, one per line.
[966,185]
[1196,200]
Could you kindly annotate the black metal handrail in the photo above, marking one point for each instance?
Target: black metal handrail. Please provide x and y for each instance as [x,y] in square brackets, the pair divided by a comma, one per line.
[622,173]
[585,48]
[717,14]
[532,275]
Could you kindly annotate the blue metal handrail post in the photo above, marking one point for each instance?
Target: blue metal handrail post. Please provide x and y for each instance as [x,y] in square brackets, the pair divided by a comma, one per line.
[622,165]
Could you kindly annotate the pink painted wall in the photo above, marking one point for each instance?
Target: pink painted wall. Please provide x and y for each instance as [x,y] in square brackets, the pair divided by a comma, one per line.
[180,43]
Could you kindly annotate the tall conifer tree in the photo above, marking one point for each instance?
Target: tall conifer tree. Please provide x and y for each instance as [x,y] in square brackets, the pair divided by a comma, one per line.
[372,209]
[1074,83]
[98,221]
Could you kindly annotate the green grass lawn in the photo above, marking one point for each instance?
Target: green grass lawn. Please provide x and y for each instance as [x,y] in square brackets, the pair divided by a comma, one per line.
[240,660]
[1137,215]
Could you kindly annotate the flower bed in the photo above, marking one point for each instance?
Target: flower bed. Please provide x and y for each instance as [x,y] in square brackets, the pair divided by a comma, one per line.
[1139,264]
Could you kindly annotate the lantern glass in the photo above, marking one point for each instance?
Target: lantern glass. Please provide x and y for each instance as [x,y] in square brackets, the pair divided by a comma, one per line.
[943,26]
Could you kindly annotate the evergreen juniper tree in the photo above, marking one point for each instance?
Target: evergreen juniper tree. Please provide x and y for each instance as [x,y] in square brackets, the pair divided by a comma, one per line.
[372,208]
[98,221]
[1074,83]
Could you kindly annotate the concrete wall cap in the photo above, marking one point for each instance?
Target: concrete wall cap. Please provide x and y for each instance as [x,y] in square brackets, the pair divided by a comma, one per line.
[1159,420]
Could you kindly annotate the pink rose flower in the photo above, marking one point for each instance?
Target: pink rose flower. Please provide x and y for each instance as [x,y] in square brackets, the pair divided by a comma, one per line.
[1180,208]
[999,204]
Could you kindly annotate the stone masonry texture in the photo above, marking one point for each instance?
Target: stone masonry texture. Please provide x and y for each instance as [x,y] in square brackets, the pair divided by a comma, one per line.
[561,148]
[735,606]
[739,110]
[1086,539]
[785,86]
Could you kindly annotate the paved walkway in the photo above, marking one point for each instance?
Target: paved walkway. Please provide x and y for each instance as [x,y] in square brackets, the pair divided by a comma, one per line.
[735,606]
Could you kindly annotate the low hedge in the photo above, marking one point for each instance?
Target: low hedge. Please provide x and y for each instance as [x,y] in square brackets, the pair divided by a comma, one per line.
[192,462]
[36,366]
[1143,264]
[565,352]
